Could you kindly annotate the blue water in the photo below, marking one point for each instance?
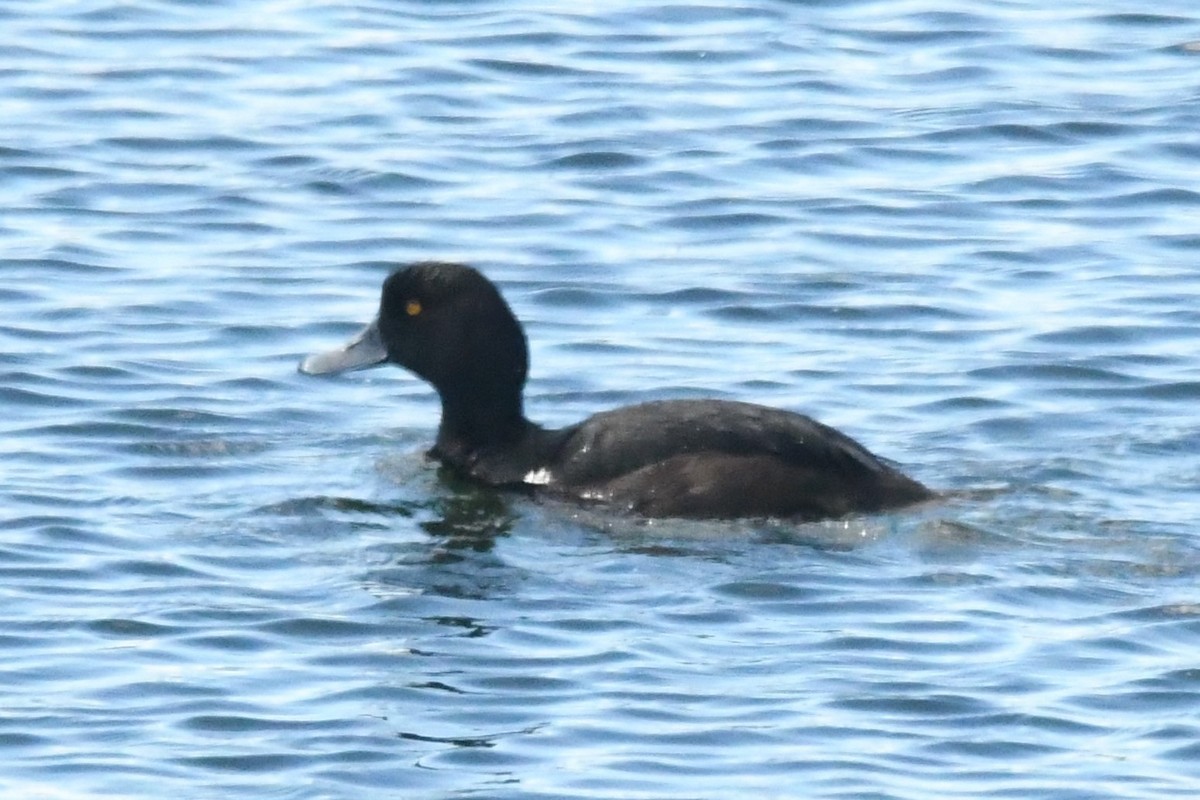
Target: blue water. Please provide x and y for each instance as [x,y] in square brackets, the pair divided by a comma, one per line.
[963,232]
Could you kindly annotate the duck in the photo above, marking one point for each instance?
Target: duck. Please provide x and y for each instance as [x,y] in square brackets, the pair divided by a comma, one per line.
[449,325]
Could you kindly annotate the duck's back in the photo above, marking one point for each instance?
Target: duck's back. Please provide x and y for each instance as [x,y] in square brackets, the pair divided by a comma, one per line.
[719,458]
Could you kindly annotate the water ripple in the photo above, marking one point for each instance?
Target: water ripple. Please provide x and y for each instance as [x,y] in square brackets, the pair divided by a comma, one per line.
[963,233]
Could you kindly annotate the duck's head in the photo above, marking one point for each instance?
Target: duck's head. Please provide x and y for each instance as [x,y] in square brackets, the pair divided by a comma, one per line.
[447,324]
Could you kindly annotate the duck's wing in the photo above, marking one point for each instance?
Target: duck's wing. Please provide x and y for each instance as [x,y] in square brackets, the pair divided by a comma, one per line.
[614,443]
[708,458]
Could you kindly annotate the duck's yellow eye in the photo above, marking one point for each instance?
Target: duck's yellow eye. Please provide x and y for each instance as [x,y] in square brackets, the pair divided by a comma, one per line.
[412,308]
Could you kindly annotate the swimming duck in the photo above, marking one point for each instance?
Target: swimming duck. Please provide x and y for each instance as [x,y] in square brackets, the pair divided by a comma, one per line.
[704,459]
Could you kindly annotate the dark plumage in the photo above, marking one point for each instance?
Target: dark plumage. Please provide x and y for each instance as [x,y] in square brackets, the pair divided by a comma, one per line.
[449,325]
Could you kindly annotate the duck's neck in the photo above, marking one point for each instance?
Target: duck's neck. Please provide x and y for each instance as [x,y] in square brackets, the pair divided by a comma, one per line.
[477,422]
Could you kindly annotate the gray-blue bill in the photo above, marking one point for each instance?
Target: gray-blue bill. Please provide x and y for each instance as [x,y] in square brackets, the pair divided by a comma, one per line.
[362,352]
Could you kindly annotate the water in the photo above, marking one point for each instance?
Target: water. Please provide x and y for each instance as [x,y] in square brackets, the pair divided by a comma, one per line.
[963,232]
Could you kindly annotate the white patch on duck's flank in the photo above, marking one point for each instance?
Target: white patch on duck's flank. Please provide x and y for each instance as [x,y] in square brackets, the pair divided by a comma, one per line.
[540,476]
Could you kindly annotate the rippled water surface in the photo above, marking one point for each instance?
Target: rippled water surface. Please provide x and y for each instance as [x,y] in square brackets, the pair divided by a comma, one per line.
[964,232]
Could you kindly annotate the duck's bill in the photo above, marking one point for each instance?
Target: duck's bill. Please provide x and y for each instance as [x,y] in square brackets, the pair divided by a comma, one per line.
[364,351]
